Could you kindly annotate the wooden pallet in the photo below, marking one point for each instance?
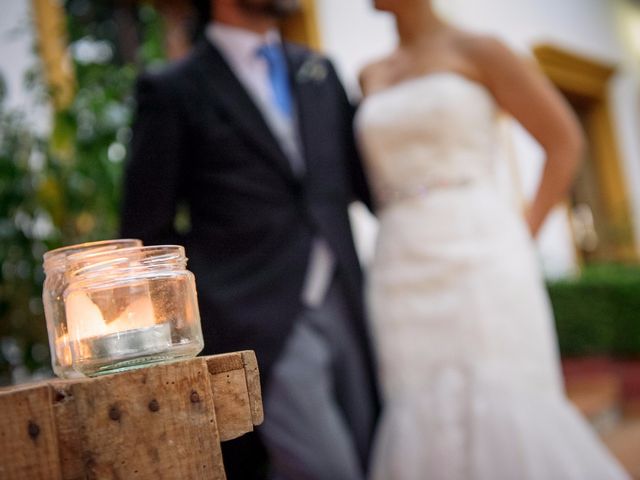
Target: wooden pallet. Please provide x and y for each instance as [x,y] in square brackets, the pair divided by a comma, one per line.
[160,422]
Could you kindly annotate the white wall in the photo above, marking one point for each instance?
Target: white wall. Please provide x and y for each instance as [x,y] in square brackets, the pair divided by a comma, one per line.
[353,34]
[17,56]
[583,25]
[625,94]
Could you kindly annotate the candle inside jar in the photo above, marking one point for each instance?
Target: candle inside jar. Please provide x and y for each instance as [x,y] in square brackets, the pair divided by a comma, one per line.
[63,350]
[134,332]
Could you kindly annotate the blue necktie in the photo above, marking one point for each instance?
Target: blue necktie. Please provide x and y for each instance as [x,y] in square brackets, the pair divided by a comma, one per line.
[278,76]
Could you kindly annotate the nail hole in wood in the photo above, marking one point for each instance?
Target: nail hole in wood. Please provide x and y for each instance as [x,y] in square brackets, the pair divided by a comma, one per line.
[154,406]
[33,429]
[114,413]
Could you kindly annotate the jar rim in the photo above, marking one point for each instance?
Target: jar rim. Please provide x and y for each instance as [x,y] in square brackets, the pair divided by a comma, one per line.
[58,256]
[127,261]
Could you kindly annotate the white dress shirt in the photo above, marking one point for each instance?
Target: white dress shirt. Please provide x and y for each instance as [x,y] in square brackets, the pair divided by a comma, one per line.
[240,48]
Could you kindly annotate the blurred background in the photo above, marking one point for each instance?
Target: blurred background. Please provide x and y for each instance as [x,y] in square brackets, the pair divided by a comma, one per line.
[66,73]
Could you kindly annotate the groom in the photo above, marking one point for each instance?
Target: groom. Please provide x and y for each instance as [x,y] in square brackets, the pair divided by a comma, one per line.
[254,137]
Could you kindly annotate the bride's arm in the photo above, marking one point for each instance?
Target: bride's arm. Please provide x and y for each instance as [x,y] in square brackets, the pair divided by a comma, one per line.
[526,94]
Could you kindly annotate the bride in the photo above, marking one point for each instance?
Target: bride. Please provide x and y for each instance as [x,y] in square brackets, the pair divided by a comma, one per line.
[462,326]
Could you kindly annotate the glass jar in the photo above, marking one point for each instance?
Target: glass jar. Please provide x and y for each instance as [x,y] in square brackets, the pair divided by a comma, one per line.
[131,307]
[55,284]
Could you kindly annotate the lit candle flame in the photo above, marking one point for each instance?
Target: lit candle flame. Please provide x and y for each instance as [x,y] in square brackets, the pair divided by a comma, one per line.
[85,319]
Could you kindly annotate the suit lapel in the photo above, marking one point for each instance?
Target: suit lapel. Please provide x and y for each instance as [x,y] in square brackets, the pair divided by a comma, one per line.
[222,83]
[305,92]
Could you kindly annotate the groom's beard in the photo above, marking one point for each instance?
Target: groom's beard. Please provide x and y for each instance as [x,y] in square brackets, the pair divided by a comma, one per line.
[271,8]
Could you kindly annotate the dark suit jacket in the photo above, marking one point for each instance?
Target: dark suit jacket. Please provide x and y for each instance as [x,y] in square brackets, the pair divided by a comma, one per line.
[199,140]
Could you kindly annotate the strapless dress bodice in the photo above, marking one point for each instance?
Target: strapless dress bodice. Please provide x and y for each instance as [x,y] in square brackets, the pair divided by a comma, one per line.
[434,131]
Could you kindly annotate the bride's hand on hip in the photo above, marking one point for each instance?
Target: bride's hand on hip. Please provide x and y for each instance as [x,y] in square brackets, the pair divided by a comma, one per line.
[537,105]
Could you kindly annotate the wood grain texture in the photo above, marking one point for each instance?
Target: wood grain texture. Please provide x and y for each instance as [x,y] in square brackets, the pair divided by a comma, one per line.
[250,364]
[160,422]
[28,443]
[124,438]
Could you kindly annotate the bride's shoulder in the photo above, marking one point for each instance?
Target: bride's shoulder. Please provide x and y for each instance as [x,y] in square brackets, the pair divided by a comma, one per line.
[472,41]
[483,50]
[489,56]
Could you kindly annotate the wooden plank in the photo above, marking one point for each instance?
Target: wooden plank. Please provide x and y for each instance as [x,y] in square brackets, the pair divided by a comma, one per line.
[69,430]
[147,424]
[161,422]
[235,380]
[225,363]
[254,390]
[27,435]
[229,388]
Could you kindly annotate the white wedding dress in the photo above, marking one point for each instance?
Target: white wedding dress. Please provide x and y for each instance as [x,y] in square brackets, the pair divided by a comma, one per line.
[461,323]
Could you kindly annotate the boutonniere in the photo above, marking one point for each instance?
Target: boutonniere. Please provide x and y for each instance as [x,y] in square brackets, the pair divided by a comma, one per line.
[314,69]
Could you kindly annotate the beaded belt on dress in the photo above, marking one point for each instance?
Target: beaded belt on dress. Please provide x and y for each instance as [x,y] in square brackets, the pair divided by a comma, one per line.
[388,196]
